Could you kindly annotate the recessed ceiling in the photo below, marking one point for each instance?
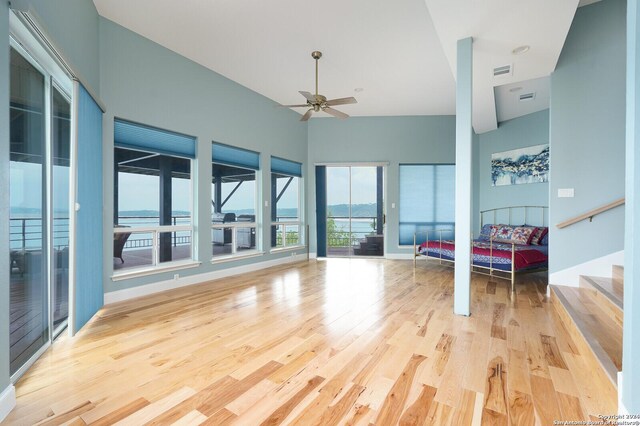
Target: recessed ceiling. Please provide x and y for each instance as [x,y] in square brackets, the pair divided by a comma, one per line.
[388,48]
[497,28]
[509,105]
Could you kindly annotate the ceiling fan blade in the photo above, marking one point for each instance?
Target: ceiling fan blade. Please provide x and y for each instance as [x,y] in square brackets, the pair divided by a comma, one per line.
[335,113]
[311,98]
[342,101]
[294,106]
[307,115]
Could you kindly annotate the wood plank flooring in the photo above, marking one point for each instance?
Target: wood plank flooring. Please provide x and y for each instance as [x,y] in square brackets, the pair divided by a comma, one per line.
[335,342]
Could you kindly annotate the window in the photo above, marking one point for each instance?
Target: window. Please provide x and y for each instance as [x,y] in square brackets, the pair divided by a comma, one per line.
[286,219]
[234,201]
[152,197]
[426,203]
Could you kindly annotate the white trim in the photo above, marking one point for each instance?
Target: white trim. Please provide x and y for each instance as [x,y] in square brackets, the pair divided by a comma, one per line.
[600,267]
[399,256]
[145,290]
[7,401]
[73,208]
[287,248]
[233,257]
[143,272]
[354,164]
[313,255]
[622,410]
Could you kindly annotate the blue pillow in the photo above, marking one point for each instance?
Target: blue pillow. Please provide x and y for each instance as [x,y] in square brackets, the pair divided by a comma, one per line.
[545,240]
[485,232]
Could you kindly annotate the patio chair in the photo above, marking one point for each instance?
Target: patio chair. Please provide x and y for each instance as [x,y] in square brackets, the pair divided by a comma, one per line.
[119,240]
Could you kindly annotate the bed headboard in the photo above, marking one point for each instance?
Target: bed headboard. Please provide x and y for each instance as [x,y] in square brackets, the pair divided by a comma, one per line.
[516,215]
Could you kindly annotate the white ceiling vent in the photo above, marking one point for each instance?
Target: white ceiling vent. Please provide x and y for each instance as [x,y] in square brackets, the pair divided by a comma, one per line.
[502,71]
[527,96]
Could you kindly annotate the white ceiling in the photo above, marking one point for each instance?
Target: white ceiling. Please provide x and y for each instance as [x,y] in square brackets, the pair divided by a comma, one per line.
[388,48]
[497,27]
[509,105]
[401,52]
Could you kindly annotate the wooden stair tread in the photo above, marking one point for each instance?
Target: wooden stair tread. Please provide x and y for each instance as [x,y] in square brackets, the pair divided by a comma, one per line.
[608,287]
[599,331]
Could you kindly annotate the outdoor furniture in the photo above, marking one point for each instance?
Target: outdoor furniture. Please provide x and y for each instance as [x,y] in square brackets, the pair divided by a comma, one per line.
[222,236]
[119,240]
[246,236]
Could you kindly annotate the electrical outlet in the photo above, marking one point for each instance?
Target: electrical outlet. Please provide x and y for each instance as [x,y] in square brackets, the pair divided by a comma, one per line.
[176,276]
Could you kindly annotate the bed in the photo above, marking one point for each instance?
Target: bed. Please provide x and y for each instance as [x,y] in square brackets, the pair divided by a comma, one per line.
[512,240]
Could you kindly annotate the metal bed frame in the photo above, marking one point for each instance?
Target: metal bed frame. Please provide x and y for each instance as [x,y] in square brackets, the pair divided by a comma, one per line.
[485,270]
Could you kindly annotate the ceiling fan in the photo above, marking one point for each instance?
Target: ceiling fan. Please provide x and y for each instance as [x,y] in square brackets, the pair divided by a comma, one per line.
[318,102]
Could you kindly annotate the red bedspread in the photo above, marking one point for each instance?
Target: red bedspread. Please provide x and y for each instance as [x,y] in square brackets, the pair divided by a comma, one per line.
[525,256]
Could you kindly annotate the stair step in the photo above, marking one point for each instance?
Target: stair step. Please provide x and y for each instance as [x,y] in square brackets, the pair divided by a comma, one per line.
[617,271]
[606,294]
[595,333]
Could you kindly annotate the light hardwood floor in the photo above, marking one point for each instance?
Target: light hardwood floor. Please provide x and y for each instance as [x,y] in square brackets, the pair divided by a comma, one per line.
[341,341]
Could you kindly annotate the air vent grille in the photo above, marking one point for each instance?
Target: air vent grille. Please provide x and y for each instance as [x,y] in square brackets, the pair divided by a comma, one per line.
[503,70]
[527,96]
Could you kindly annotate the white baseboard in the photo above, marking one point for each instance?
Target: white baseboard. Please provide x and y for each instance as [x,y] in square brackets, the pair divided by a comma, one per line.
[600,267]
[399,256]
[145,290]
[313,255]
[7,401]
[622,410]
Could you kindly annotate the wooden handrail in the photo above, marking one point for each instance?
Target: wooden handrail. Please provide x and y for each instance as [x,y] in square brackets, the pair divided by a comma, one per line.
[590,214]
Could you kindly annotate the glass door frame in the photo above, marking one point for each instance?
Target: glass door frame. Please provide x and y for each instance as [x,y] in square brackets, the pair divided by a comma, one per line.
[26,45]
[384,166]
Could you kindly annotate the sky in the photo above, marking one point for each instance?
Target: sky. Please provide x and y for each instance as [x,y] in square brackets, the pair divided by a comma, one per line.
[363,185]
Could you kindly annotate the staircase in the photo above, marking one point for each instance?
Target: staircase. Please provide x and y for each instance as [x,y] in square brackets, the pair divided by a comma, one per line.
[592,314]
[371,245]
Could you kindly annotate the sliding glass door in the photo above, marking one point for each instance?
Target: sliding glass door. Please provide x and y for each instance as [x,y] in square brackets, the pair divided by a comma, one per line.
[354,211]
[39,208]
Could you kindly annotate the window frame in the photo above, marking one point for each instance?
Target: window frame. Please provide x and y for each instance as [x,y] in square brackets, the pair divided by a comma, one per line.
[157,266]
[234,226]
[284,224]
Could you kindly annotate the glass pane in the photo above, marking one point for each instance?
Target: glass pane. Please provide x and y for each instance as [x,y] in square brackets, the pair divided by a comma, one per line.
[366,195]
[61,139]
[338,212]
[276,234]
[245,239]
[150,190]
[293,235]
[287,195]
[132,250]
[234,188]
[174,246]
[221,241]
[29,329]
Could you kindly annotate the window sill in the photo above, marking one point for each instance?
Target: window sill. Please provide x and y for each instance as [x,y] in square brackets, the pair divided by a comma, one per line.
[233,257]
[143,272]
[288,248]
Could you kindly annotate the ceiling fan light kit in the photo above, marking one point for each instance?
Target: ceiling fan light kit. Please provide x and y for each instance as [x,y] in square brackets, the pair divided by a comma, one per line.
[318,102]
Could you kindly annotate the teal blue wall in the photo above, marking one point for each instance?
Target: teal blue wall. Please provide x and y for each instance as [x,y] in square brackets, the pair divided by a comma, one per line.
[4,195]
[529,130]
[147,83]
[419,139]
[631,332]
[587,134]
[73,27]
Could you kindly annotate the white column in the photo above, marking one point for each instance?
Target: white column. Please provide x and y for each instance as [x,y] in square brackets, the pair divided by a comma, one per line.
[464,166]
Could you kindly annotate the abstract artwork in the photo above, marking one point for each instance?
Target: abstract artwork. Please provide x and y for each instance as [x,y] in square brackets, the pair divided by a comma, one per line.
[522,165]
